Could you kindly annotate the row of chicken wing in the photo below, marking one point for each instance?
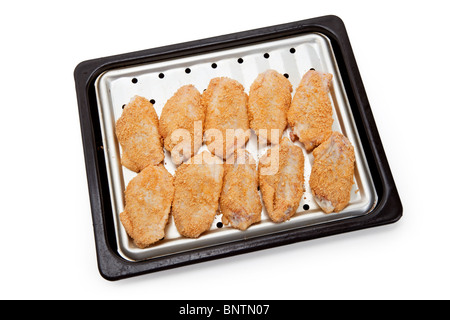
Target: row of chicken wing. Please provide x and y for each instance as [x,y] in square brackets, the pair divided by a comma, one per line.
[227,178]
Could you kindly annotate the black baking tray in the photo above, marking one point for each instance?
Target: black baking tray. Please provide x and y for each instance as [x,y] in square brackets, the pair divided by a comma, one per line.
[111,265]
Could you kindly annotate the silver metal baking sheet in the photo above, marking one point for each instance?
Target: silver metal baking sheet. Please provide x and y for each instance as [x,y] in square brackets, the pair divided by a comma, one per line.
[292,56]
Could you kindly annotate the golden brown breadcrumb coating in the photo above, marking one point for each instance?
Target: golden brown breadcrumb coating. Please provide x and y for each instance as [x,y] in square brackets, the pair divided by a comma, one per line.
[269,100]
[148,198]
[240,202]
[137,131]
[311,115]
[198,183]
[332,172]
[176,124]
[225,105]
[281,178]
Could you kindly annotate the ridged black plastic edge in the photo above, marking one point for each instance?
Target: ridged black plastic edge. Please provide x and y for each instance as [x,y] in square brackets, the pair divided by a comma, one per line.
[111,265]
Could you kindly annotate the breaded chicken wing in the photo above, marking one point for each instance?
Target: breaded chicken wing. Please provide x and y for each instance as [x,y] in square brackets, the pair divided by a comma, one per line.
[310,114]
[240,202]
[148,198]
[332,172]
[181,123]
[269,100]
[281,178]
[226,121]
[198,183]
[137,130]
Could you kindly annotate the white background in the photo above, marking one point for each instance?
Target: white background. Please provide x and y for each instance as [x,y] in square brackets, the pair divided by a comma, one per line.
[47,248]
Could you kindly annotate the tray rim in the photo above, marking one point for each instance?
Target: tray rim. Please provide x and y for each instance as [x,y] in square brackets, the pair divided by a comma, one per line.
[388,209]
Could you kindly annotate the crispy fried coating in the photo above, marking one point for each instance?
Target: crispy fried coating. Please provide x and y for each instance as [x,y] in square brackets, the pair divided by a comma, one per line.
[269,100]
[281,179]
[137,130]
[240,202]
[225,103]
[181,113]
[148,198]
[311,115]
[332,172]
[198,183]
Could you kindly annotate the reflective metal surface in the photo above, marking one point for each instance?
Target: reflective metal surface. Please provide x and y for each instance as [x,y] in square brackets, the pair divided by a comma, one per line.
[293,57]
